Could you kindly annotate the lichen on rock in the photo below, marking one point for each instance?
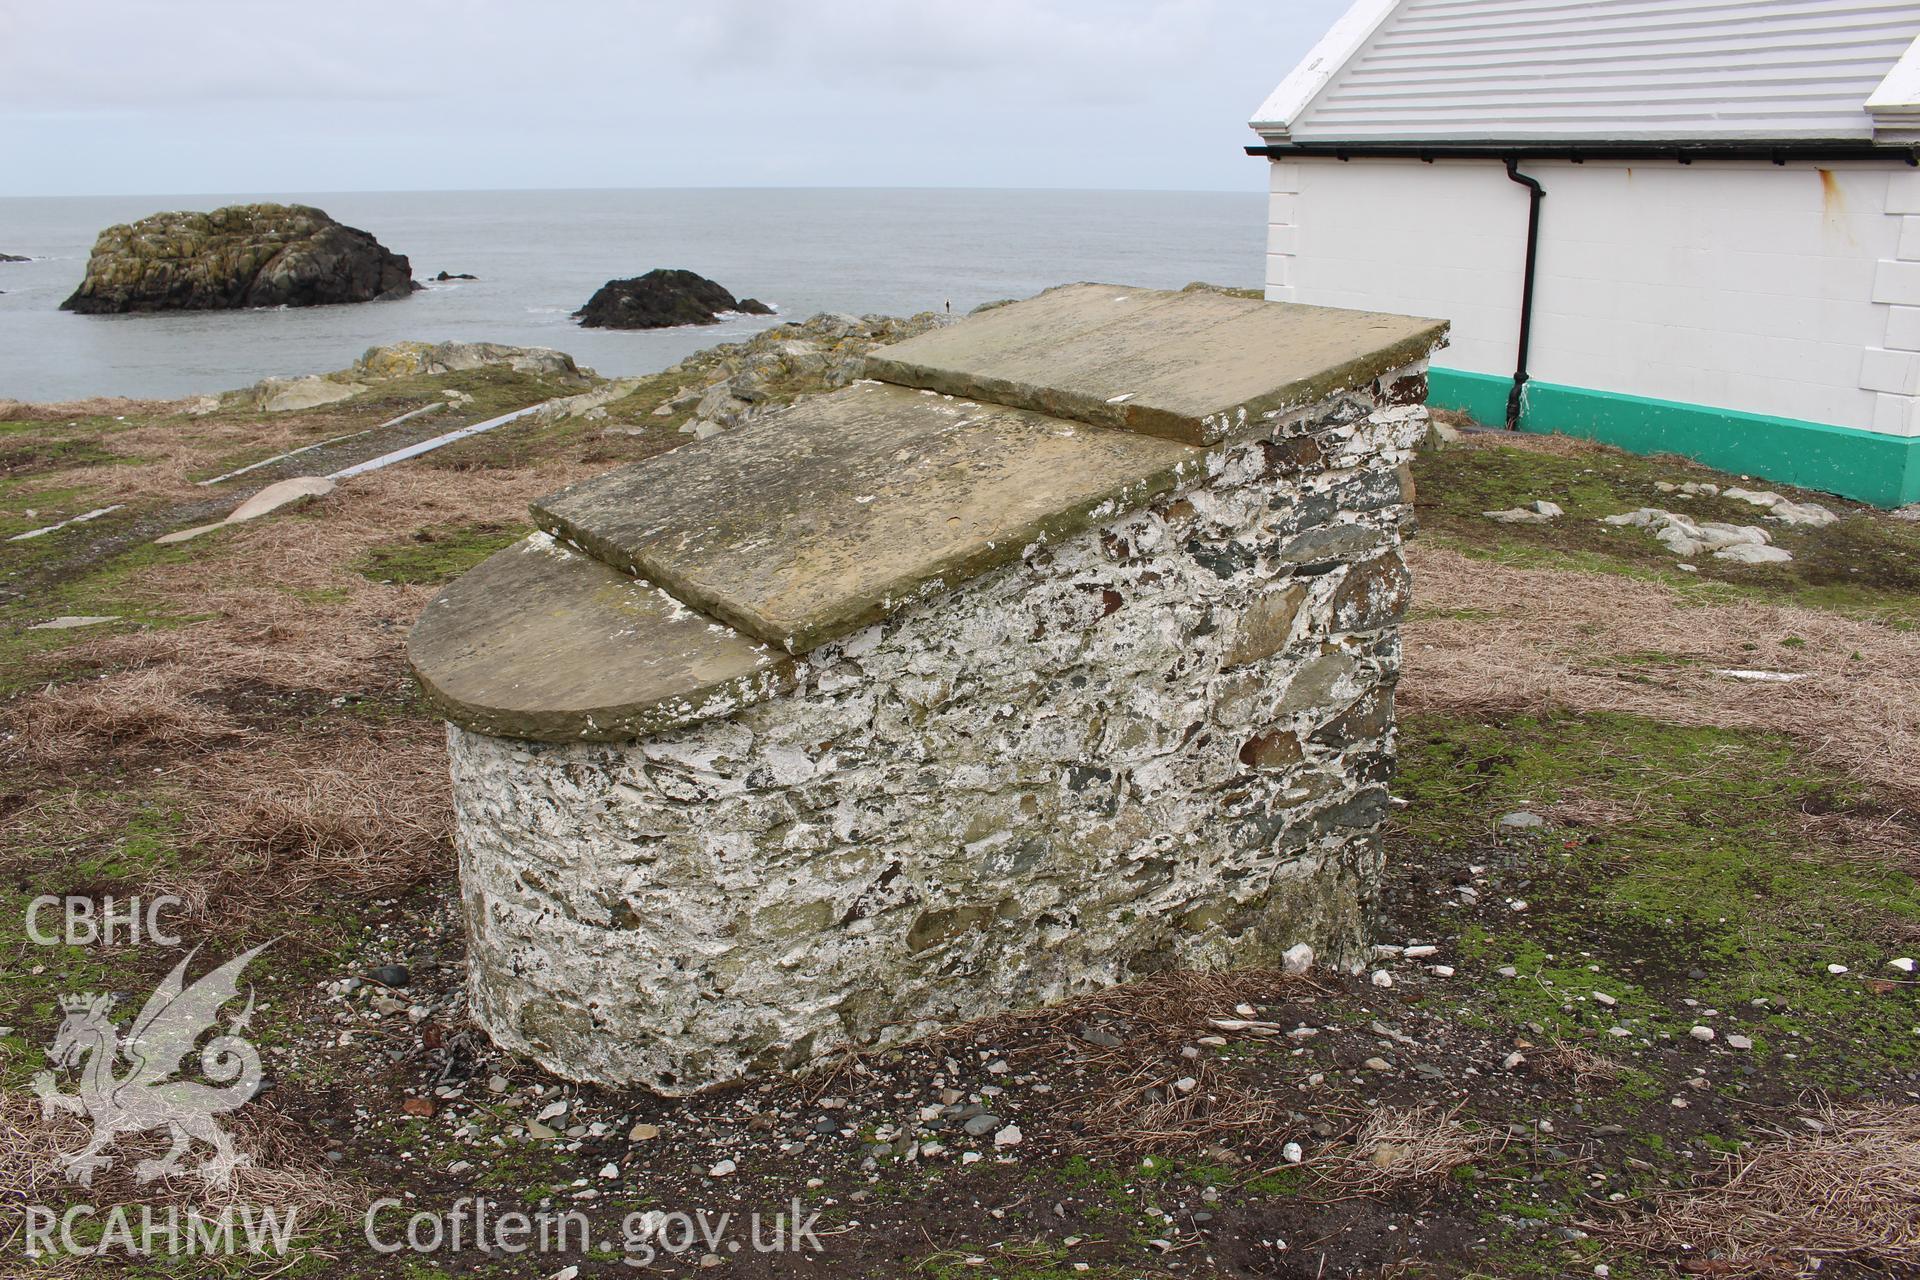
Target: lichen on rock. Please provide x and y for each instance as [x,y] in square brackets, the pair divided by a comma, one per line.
[248,255]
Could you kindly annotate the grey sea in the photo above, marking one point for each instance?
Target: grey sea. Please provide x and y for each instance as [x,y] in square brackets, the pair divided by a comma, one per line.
[539,255]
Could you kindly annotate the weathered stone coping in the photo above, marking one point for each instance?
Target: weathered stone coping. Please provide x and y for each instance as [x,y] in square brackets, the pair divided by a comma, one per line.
[1195,365]
[812,523]
[543,642]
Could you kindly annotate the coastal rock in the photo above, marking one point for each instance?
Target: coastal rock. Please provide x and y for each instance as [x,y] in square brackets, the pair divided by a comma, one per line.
[403,360]
[249,255]
[286,395]
[455,275]
[14,257]
[661,299]
[1686,537]
[411,359]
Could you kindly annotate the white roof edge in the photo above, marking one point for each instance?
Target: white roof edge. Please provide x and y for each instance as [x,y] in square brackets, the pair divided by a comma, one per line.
[1284,105]
[1895,105]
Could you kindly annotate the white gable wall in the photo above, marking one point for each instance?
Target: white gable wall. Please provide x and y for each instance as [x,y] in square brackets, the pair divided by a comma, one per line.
[1743,286]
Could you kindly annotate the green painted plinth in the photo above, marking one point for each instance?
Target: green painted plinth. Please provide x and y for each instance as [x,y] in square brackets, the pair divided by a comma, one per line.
[1864,465]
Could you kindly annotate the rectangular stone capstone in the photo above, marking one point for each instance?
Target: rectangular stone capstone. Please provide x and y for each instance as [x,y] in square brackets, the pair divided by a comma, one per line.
[813,522]
[1194,365]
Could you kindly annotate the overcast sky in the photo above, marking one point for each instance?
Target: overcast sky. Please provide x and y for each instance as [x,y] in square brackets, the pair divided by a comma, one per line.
[258,96]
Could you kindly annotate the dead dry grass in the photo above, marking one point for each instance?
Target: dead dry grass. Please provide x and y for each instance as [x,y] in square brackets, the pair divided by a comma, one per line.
[1402,1146]
[1473,435]
[91,407]
[281,804]
[286,1175]
[279,600]
[83,723]
[1848,1192]
[1581,1065]
[364,813]
[1533,640]
[1135,1102]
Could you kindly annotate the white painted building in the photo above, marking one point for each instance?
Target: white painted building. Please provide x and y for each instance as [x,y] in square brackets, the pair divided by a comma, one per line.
[1728,240]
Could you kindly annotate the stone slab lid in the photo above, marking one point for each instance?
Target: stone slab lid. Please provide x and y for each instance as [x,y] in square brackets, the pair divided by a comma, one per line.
[1191,365]
[810,523]
[673,590]
[542,642]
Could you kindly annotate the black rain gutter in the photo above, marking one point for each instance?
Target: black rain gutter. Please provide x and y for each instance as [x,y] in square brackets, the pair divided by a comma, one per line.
[1535,194]
[1683,152]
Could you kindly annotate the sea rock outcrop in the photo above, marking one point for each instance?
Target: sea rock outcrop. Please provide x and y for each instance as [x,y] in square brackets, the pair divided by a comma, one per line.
[14,257]
[410,359]
[405,360]
[247,255]
[661,299]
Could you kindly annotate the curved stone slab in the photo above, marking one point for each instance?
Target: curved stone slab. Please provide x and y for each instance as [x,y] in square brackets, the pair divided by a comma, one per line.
[1193,365]
[813,522]
[542,642]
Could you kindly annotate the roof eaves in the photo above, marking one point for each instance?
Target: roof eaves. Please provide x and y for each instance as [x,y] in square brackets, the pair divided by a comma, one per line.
[1303,84]
[1895,104]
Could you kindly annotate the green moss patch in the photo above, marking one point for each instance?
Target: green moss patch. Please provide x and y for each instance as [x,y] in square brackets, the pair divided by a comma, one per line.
[1866,562]
[437,554]
[1682,870]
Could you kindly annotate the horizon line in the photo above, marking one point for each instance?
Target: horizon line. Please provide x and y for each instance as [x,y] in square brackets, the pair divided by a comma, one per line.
[401,191]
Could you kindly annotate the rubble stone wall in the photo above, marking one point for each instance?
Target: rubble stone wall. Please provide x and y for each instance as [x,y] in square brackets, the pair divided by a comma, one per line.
[1162,743]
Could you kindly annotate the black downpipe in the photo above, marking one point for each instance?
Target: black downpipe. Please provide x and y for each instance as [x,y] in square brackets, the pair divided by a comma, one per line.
[1536,193]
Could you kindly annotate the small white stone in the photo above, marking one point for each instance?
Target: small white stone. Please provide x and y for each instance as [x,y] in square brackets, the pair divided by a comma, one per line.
[1601,997]
[1440,970]
[609,1170]
[1507,971]
[722,1169]
[1703,1034]
[1186,1084]
[1513,1060]
[1297,959]
[1836,969]
[1008,1137]
[1292,1153]
[1420,952]
[1619,1033]
[1381,978]
[1737,1041]
[1904,964]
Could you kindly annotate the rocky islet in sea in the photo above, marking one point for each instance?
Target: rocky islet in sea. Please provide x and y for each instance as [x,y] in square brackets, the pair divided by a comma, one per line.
[240,256]
[662,299]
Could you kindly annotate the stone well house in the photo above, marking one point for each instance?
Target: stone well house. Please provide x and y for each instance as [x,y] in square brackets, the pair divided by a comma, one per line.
[1671,225]
[1057,650]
